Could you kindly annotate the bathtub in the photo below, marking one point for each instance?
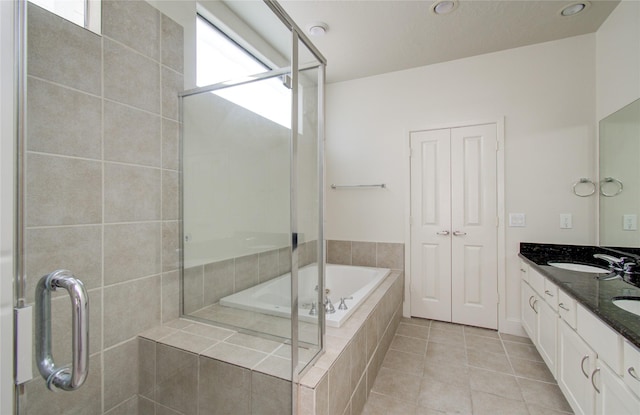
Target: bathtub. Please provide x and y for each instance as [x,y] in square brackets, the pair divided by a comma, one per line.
[273,297]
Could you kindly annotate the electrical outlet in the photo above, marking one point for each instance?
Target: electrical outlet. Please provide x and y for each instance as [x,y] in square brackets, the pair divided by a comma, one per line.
[566,221]
[630,222]
[517,220]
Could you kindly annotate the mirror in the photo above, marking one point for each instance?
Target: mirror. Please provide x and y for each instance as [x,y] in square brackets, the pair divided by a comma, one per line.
[620,178]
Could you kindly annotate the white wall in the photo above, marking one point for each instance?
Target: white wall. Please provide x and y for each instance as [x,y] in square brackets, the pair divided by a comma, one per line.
[618,59]
[545,92]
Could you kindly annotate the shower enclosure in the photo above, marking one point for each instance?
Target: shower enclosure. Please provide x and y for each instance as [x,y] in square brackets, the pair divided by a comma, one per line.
[252,194]
[96,172]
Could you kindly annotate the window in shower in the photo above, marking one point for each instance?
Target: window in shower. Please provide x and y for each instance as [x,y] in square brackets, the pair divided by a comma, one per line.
[219,59]
[85,13]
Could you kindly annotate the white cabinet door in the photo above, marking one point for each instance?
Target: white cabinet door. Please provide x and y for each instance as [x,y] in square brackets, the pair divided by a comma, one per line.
[576,362]
[631,374]
[529,315]
[454,225]
[613,397]
[547,334]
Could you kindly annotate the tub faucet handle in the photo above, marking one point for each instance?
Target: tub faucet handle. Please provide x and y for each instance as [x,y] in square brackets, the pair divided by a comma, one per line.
[328,306]
[343,305]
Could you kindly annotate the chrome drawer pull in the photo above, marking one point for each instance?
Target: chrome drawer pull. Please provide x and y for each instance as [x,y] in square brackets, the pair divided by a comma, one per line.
[593,383]
[562,306]
[586,375]
[633,374]
[547,292]
[65,377]
[534,306]
[445,233]
[459,233]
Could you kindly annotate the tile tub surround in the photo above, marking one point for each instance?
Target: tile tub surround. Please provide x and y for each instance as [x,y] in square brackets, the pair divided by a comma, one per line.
[595,295]
[340,381]
[100,190]
[205,285]
[242,374]
[366,254]
[436,368]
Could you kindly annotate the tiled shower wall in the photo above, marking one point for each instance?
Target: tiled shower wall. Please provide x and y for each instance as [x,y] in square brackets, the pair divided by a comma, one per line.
[102,188]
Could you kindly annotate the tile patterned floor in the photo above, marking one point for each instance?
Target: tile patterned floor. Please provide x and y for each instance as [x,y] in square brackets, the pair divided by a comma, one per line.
[441,368]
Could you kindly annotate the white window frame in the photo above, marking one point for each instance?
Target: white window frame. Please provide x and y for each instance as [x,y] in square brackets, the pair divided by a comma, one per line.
[84,13]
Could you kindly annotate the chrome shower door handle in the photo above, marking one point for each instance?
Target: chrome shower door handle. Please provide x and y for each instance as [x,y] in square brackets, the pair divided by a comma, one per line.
[65,377]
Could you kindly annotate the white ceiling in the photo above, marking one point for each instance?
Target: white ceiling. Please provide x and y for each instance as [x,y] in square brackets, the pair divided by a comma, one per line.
[371,37]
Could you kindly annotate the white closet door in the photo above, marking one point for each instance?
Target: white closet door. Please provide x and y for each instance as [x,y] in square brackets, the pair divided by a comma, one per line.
[474,272]
[431,225]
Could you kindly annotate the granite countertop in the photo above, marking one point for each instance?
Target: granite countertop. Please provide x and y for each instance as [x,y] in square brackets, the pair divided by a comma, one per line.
[594,294]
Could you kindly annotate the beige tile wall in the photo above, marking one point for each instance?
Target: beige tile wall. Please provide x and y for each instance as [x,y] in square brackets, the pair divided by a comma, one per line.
[367,254]
[206,284]
[102,190]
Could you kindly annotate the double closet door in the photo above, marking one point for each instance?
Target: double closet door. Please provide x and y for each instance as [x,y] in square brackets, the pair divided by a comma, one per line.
[454,225]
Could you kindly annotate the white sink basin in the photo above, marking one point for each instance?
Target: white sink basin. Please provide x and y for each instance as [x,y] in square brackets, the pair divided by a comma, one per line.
[630,304]
[578,267]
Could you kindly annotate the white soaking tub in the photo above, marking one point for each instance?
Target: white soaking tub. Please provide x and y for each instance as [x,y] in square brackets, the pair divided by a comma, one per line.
[274,296]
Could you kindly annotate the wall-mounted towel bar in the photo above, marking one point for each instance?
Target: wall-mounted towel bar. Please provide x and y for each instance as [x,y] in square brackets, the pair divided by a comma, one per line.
[352,186]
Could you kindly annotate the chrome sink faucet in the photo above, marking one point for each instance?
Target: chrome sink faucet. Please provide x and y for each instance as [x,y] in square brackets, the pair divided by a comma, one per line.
[622,264]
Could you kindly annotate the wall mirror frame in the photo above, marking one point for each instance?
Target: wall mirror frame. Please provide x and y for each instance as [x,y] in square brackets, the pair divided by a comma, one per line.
[619,179]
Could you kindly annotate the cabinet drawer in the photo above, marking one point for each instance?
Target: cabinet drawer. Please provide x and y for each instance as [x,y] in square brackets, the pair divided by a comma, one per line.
[567,309]
[536,281]
[524,271]
[631,373]
[606,342]
[550,294]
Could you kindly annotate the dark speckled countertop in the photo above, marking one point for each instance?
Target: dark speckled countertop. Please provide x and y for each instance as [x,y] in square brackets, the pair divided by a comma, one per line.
[594,294]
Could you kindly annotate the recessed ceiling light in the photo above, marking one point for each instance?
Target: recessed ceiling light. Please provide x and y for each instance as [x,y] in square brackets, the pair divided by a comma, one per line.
[574,8]
[318,29]
[444,6]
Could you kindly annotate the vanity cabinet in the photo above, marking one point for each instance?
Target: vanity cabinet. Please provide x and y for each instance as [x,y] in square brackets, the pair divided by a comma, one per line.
[598,371]
[529,312]
[567,309]
[606,342]
[612,396]
[576,363]
[547,335]
[631,373]
[540,316]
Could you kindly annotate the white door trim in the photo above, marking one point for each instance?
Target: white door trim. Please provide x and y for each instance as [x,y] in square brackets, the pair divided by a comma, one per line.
[504,325]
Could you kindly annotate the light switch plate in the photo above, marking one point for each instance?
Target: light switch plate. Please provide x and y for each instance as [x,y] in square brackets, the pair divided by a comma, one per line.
[517,220]
[630,222]
[566,221]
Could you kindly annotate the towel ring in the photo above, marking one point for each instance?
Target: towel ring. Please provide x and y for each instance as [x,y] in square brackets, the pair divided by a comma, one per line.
[610,180]
[584,180]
